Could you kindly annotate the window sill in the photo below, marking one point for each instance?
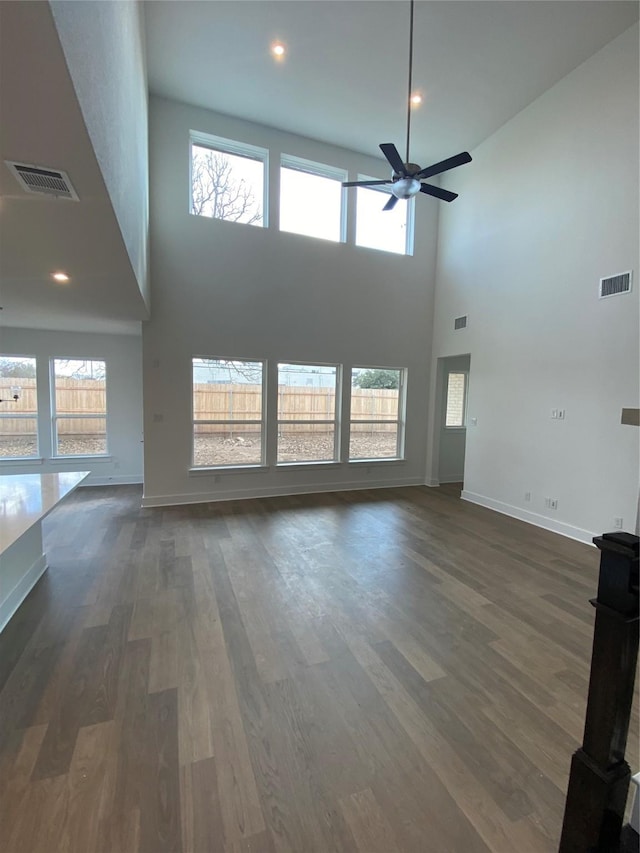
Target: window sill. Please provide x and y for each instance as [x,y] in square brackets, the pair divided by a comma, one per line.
[303,466]
[396,460]
[72,460]
[216,470]
[387,252]
[22,460]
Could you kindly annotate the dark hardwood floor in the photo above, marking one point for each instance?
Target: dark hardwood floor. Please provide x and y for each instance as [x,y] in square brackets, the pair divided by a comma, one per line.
[380,671]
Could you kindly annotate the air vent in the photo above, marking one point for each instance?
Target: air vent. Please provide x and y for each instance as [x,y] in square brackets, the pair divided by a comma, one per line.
[460,322]
[615,284]
[35,179]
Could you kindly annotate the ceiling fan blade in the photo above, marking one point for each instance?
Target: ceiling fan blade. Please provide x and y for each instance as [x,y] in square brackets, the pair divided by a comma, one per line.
[444,165]
[364,183]
[443,195]
[391,203]
[395,160]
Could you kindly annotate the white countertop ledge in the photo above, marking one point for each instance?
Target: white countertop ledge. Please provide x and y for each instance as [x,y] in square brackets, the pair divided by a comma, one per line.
[25,499]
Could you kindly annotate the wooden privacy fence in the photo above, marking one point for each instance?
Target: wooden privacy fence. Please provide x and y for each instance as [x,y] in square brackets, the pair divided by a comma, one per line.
[211,402]
[295,403]
[73,397]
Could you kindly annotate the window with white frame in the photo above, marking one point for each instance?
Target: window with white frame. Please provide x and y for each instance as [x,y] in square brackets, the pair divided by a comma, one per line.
[308,413]
[312,199]
[456,408]
[228,412]
[79,406]
[19,407]
[228,180]
[385,230]
[377,413]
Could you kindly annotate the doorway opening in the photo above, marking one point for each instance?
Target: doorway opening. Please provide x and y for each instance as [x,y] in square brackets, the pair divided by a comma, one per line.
[452,419]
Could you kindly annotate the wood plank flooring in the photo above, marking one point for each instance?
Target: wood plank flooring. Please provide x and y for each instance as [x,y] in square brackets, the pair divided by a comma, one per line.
[391,671]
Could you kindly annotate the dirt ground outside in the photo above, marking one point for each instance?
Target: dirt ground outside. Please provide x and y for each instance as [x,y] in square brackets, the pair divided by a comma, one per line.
[20,446]
[245,450]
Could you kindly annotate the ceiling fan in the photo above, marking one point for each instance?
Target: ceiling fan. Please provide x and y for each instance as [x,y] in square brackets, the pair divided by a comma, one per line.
[406,178]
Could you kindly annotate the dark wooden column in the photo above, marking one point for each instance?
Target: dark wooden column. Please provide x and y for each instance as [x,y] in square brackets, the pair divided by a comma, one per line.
[599,780]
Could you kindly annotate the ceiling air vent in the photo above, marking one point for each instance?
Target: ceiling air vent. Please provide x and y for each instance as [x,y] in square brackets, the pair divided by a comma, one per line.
[35,179]
[460,322]
[615,284]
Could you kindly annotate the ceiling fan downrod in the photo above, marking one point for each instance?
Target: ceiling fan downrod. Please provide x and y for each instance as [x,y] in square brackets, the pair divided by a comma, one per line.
[410,78]
[407,178]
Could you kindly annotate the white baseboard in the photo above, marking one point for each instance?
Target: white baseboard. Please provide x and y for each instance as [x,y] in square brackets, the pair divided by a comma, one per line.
[432,482]
[543,521]
[445,480]
[274,491]
[112,481]
[21,590]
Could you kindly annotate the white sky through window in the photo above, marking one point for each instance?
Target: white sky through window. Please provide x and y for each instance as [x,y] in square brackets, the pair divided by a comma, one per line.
[377,228]
[310,204]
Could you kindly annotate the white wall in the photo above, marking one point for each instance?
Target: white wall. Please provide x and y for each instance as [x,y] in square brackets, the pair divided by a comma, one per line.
[452,439]
[224,289]
[548,206]
[104,47]
[123,356]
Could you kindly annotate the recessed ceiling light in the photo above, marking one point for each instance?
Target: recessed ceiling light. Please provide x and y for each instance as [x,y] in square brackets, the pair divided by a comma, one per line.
[60,277]
[277,50]
[416,99]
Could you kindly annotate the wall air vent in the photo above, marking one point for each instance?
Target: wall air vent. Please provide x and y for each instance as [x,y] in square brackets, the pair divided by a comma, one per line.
[460,322]
[36,179]
[615,284]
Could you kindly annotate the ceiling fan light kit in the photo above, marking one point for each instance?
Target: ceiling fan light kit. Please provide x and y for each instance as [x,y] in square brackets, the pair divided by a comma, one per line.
[406,179]
[405,188]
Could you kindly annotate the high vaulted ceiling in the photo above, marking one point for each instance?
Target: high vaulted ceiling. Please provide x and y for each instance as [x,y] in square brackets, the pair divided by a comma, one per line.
[343,81]
[344,77]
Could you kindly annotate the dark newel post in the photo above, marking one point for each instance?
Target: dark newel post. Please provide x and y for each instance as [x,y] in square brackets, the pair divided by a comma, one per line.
[599,780]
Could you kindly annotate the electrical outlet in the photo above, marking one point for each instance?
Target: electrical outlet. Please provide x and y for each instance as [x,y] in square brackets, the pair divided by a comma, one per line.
[554,414]
[553,504]
[527,496]
[561,414]
[618,523]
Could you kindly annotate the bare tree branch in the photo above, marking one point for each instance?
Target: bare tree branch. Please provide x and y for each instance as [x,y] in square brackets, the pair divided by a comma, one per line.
[216,192]
[238,372]
[73,368]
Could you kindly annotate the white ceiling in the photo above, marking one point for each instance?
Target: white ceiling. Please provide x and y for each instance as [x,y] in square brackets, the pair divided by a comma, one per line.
[344,80]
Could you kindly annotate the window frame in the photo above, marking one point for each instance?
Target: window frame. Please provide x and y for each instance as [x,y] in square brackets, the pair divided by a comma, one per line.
[320,170]
[6,414]
[55,417]
[409,243]
[337,418]
[239,149]
[465,394]
[400,421]
[262,421]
